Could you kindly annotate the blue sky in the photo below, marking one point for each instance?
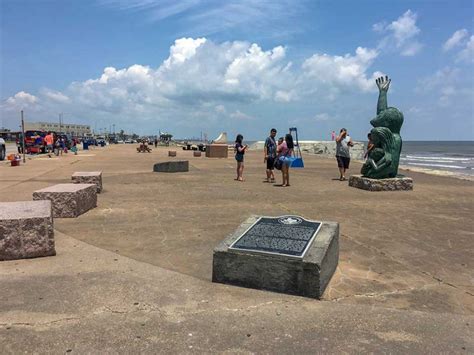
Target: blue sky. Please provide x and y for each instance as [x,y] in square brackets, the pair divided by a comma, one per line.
[241,66]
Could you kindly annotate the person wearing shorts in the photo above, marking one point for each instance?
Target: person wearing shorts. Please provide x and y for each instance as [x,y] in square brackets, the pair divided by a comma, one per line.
[343,156]
[270,149]
[49,140]
[239,156]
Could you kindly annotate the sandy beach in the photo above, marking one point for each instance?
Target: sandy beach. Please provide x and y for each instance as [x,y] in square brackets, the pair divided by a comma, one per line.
[134,274]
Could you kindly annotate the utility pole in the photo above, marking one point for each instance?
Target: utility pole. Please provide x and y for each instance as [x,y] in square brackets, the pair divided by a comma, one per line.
[23,136]
[60,123]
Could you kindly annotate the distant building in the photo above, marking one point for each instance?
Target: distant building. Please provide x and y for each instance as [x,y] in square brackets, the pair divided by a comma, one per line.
[67,128]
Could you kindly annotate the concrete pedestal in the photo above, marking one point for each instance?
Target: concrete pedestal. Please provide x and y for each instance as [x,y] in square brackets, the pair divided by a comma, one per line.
[26,230]
[88,177]
[69,200]
[217,151]
[307,276]
[400,183]
[177,166]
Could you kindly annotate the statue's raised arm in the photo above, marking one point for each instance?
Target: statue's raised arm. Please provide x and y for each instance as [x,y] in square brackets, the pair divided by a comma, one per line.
[383,83]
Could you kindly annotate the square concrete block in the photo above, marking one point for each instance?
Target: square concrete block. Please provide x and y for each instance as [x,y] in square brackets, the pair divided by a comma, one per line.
[88,177]
[217,151]
[305,276]
[196,154]
[177,166]
[69,200]
[171,153]
[26,230]
[399,183]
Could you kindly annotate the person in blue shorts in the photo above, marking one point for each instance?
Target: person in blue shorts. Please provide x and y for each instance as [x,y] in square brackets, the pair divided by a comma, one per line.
[239,149]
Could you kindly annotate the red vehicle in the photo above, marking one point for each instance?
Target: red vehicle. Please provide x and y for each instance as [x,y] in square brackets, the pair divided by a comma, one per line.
[34,142]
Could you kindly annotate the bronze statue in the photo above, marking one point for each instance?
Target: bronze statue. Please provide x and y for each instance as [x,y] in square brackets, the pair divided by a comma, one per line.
[384,158]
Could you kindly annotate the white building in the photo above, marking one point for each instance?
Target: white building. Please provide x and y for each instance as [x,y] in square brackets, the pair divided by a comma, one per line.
[67,128]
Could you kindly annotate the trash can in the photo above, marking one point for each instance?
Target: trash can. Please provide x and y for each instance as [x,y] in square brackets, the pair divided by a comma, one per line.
[85,145]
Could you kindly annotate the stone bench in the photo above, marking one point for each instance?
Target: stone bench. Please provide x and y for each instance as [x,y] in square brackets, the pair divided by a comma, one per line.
[26,230]
[69,200]
[88,177]
[270,261]
[177,166]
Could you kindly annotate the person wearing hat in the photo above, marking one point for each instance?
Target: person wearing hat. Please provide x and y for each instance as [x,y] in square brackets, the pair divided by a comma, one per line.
[343,156]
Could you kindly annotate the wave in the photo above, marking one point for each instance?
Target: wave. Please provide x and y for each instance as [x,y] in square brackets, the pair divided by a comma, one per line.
[419,157]
[440,165]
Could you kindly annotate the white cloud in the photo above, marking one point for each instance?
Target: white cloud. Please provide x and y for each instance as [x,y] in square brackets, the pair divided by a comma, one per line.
[21,100]
[349,71]
[455,40]
[220,109]
[201,81]
[241,116]
[55,95]
[467,53]
[219,16]
[449,85]
[183,49]
[402,32]
[320,117]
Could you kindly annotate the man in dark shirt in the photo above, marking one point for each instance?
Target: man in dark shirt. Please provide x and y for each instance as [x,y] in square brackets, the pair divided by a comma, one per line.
[270,154]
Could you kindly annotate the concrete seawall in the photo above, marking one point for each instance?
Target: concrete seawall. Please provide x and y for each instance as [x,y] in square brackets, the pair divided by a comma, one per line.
[324,148]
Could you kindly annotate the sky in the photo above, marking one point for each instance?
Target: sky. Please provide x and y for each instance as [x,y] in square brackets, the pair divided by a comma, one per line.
[241,66]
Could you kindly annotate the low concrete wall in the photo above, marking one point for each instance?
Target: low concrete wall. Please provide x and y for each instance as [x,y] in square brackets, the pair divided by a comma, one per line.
[324,148]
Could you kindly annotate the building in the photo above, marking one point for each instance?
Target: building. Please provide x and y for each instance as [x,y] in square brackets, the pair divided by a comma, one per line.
[67,128]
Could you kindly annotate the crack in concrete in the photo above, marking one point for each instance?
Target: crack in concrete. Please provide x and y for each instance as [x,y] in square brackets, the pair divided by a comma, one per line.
[34,324]
[381,294]
[399,262]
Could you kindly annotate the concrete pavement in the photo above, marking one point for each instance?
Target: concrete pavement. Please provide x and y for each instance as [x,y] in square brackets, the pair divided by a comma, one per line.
[133,275]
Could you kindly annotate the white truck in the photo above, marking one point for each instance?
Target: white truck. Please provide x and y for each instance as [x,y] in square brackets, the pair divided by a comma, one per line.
[3,149]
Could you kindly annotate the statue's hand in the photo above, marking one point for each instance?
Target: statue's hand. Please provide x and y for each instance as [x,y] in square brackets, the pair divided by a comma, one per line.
[383,83]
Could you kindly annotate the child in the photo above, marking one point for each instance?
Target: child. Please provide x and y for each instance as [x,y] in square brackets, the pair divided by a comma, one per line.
[239,156]
[370,146]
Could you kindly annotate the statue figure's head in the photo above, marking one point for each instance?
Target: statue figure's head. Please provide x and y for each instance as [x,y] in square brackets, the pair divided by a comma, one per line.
[391,118]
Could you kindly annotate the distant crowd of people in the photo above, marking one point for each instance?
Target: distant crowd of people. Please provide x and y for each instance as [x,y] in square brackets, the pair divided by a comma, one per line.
[279,155]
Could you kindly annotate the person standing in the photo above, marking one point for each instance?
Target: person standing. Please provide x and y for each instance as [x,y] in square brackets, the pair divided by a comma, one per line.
[270,149]
[49,140]
[285,150]
[156,142]
[239,156]
[343,156]
[333,135]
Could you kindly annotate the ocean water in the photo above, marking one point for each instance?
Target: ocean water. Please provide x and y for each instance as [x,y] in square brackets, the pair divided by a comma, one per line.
[457,157]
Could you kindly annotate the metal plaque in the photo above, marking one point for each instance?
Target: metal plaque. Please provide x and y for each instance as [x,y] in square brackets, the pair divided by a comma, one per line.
[285,235]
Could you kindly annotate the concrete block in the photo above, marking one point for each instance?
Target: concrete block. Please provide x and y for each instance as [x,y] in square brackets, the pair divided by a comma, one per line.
[399,183]
[69,200]
[307,276]
[217,151]
[88,177]
[177,166]
[172,153]
[196,153]
[26,230]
